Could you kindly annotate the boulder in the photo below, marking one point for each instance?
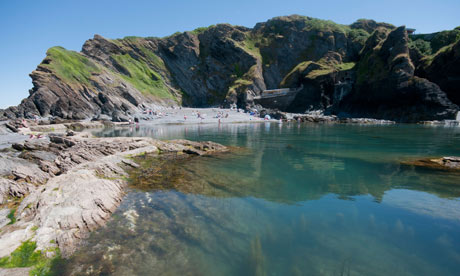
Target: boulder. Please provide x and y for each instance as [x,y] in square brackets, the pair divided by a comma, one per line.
[118,116]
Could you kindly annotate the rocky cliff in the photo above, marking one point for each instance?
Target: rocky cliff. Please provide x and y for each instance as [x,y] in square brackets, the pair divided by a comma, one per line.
[363,69]
[386,85]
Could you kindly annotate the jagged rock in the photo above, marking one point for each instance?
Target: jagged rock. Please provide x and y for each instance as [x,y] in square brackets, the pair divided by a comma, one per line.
[62,140]
[22,170]
[444,70]
[11,127]
[31,145]
[117,116]
[102,117]
[370,25]
[4,220]
[10,188]
[227,65]
[387,88]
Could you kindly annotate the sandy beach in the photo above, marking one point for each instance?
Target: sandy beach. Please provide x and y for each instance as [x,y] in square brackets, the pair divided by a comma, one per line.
[190,116]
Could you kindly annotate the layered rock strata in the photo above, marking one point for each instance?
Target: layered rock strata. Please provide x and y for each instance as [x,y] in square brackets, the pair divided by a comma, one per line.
[366,69]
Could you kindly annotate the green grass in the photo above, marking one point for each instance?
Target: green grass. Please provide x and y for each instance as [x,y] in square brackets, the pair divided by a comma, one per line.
[277,24]
[250,44]
[358,35]
[319,72]
[142,77]
[172,35]
[323,25]
[149,55]
[200,30]
[443,39]
[345,66]
[237,70]
[26,255]
[301,66]
[429,44]
[427,60]
[371,67]
[323,69]
[11,216]
[242,82]
[423,46]
[69,65]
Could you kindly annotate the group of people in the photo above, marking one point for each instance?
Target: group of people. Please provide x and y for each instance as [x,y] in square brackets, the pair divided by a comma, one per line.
[220,114]
[198,115]
[24,124]
[33,136]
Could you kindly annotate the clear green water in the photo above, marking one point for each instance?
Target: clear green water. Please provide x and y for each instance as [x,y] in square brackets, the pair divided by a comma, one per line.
[294,200]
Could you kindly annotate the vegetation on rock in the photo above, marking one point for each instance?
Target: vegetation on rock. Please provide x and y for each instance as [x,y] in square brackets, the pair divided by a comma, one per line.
[70,66]
[142,77]
[11,216]
[26,255]
[213,65]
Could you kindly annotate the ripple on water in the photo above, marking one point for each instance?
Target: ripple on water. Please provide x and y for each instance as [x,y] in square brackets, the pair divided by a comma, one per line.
[301,200]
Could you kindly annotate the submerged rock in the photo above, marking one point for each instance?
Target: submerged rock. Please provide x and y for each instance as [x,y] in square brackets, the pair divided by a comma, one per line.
[70,185]
[443,163]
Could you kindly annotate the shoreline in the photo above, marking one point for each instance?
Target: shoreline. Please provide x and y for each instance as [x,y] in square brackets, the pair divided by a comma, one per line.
[54,191]
[59,188]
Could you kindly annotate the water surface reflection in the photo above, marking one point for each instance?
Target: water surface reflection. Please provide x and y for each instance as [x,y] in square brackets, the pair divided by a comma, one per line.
[292,200]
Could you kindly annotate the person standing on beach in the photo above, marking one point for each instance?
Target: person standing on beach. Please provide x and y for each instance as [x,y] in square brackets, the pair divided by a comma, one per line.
[24,123]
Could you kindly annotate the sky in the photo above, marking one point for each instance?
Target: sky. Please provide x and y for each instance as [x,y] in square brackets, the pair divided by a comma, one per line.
[29,28]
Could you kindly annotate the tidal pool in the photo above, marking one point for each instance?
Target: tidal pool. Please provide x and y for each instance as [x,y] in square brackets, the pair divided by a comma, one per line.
[288,199]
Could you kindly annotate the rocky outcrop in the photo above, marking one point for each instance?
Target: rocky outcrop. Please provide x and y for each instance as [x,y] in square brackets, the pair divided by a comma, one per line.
[386,87]
[369,25]
[71,185]
[231,65]
[444,69]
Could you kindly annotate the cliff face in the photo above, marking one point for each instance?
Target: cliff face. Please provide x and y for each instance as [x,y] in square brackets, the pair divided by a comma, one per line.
[443,68]
[364,69]
[387,88]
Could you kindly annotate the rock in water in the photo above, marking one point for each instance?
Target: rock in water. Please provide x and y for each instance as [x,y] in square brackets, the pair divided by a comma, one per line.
[76,186]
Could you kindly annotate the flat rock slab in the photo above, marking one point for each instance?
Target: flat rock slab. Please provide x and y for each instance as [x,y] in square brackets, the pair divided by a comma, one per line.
[70,185]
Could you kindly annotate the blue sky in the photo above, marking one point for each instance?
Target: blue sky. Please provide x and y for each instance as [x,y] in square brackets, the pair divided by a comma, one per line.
[29,28]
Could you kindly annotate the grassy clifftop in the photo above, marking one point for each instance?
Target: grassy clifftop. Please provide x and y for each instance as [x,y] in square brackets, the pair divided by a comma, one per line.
[70,66]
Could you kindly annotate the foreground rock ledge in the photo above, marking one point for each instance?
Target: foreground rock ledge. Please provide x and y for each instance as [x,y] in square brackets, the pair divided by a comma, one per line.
[66,186]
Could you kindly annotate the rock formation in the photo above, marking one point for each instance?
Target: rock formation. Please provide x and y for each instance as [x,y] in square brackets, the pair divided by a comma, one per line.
[363,69]
[67,186]
[386,87]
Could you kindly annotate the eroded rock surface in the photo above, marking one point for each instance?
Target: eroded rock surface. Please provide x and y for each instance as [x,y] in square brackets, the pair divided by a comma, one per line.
[70,185]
